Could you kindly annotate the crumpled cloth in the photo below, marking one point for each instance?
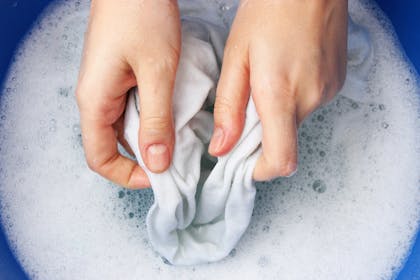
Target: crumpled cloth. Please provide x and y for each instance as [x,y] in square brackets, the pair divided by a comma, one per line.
[202,206]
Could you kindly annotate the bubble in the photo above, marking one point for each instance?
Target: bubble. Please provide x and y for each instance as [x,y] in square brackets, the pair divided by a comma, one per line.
[319,186]
[52,125]
[266,228]
[373,109]
[56,196]
[225,8]
[64,92]
[320,118]
[76,128]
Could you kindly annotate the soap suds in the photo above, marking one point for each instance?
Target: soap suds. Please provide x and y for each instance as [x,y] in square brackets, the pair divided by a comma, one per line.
[350,212]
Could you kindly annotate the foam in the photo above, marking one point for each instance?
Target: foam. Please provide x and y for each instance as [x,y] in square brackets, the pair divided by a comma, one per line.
[350,212]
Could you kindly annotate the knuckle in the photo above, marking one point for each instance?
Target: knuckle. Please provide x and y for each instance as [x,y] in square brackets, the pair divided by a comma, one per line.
[225,107]
[319,84]
[102,166]
[280,168]
[80,96]
[85,95]
[334,87]
[94,164]
[156,125]
[162,66]
[164,63]
[318,94]
[274,88]
[318,97]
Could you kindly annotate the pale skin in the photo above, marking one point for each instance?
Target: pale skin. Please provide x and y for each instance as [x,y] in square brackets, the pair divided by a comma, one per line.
[288,55]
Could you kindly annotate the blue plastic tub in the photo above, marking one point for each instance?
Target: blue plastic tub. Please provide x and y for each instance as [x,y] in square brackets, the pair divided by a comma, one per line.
[16,18]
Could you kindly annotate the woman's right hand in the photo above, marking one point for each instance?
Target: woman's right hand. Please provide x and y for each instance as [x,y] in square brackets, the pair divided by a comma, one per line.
[129,43]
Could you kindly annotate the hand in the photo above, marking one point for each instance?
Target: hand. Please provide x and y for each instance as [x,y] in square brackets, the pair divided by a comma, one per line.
[291,56]
[129,43]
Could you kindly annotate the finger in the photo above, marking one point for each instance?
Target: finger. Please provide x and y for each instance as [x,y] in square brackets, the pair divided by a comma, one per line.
[103,157]
[276,109]
[231,100]
[279,145]
[101,102]
[156,135]
[154,60]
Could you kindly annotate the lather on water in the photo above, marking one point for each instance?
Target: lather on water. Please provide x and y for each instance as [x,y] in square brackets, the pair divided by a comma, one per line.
[355,196]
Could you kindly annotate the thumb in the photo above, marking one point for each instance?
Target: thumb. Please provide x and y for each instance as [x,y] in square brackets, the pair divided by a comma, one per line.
[231,99]
[156,134]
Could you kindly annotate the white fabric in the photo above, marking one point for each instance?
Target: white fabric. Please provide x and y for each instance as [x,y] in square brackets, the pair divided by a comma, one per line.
[195,218]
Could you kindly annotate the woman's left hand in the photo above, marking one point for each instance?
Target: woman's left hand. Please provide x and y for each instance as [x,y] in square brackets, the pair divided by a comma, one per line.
[291,57]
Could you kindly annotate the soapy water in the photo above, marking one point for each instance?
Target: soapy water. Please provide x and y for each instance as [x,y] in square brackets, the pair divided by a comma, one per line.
[350,212]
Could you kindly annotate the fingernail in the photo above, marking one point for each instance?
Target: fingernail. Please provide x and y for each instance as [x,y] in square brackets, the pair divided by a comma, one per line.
[216,140]
[158,157]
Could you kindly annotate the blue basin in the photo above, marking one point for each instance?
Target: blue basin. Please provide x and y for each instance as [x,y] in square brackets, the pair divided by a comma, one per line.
[16,18]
